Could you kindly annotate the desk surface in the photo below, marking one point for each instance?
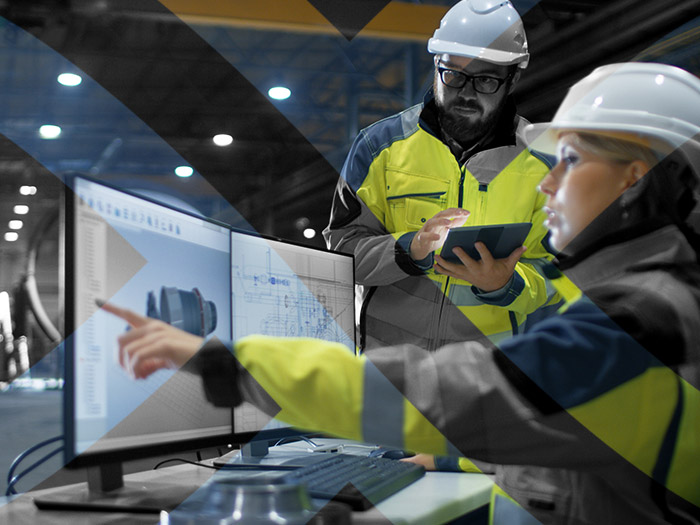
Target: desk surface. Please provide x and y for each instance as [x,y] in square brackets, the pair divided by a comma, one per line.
[438,497]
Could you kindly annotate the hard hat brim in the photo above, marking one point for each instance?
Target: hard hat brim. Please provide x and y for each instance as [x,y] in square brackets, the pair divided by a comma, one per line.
[495,56]
[543,137]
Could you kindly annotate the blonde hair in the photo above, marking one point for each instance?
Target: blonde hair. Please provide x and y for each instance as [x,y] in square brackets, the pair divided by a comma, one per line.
[614,149]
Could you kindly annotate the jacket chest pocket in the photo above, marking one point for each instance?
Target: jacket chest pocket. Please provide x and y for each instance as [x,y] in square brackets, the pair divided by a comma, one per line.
[411,201]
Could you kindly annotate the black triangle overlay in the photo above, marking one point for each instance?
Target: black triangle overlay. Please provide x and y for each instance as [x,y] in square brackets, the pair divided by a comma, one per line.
[349,18]
[351,495]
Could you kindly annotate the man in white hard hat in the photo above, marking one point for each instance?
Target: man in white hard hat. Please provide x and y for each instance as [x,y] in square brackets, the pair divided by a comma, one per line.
[456,159]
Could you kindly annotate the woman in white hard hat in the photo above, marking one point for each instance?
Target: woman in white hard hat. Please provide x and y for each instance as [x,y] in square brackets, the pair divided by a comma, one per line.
[597,408]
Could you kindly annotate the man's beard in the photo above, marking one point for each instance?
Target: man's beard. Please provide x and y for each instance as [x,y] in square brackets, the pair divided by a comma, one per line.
[467,132]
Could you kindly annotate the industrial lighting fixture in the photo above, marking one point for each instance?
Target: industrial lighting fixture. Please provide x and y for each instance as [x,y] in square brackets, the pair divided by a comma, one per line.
[222,139]
[15,224]
[309,233]
[27,190]
[49,131]
[69,79]
[11,236]
[21,209]
[184,171]
[279,92]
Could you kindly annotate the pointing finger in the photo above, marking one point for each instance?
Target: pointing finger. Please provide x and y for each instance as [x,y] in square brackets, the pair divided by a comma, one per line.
[129,316]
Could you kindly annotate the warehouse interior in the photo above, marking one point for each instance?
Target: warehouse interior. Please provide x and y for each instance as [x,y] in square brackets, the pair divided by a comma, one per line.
[161,79]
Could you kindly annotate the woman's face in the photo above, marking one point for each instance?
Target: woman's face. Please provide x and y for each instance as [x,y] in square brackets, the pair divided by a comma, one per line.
[580,187]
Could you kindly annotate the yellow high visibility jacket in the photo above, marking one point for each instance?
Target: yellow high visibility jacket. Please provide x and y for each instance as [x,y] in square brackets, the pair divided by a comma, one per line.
[601,427]
[399,174]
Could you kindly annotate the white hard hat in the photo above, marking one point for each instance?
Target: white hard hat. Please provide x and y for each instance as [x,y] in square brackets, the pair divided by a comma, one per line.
[490,30]
[654,104]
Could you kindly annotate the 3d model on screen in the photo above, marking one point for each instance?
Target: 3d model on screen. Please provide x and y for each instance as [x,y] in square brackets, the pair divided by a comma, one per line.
[188,311]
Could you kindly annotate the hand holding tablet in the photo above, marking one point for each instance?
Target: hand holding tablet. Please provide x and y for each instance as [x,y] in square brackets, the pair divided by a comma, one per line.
[499,239]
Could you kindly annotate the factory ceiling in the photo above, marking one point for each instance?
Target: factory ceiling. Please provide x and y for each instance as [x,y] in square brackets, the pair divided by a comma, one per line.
[160,79]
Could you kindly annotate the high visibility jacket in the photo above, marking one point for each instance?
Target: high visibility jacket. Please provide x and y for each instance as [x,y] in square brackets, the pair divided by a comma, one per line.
[604,426]
[399,174]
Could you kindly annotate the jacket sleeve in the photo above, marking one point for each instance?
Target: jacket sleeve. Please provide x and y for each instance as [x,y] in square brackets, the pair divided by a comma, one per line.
[553,398]
[357,220]
[492,421]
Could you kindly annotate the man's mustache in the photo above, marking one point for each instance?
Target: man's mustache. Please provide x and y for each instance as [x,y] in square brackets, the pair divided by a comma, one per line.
[468,104]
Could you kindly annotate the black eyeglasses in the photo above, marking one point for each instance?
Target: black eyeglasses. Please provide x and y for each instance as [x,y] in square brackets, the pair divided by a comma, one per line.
[481,83]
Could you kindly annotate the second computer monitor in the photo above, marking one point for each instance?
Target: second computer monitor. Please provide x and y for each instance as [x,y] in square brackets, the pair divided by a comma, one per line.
[283,289]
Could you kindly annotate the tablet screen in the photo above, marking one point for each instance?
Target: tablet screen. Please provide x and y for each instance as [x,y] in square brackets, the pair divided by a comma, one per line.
[500,239]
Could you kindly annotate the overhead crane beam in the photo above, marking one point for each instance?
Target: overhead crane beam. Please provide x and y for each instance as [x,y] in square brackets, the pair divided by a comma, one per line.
[400,21]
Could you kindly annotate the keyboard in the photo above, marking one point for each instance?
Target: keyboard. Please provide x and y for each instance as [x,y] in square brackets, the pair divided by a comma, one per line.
[359,481]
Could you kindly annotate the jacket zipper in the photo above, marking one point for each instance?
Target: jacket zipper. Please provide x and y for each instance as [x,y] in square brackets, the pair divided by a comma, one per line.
[460,201]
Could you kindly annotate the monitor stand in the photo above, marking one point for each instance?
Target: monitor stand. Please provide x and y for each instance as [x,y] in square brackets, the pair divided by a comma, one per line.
[106,491]
[255,449]
[258,455]
[253,455]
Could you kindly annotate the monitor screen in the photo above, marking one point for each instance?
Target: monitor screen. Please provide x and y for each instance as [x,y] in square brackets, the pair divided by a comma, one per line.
[283,289]
[158,261]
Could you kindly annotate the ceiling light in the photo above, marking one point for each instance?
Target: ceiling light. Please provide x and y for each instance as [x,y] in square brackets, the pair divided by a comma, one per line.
[279,92]
[309,233]
[49,131]
[15,224]
[21,209]
[222,139]
[27,190]
[69,79]
[184,171]
[11,236]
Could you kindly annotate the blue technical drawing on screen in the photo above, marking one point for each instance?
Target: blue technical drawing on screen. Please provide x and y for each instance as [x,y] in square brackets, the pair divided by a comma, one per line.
[283,289]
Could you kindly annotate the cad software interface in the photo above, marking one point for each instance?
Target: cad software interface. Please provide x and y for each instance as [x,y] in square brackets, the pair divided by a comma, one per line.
[159,262]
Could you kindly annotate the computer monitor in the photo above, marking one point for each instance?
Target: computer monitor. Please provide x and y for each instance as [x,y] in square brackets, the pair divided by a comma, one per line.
[161,262]
[201,276]
[284,289]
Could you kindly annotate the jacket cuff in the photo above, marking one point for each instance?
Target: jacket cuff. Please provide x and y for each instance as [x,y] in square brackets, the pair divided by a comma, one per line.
[503,296]
[447,464]
[403,257]
[219,370]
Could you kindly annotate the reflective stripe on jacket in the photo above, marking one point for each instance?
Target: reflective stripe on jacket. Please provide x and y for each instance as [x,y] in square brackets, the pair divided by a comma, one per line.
[398,175]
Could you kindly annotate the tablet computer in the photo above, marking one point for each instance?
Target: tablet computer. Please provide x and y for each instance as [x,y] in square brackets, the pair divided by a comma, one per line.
[500,239]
